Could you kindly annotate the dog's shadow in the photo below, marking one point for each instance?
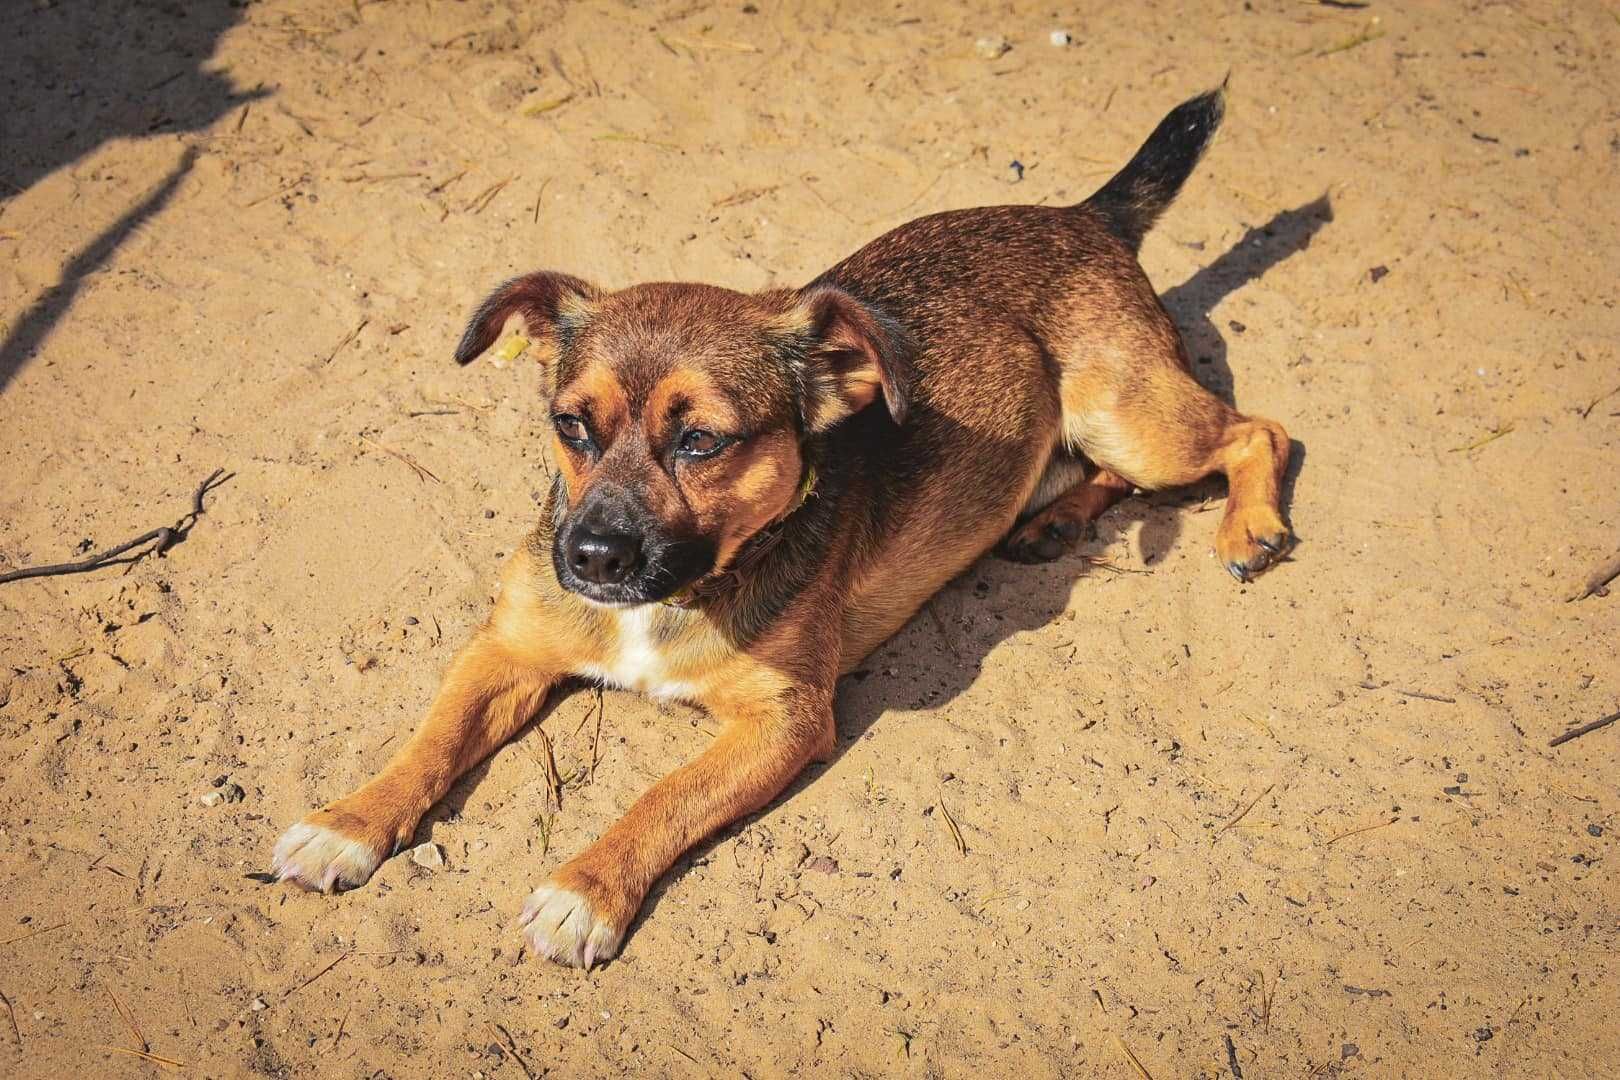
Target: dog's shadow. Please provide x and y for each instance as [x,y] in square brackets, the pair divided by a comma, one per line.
[941,651]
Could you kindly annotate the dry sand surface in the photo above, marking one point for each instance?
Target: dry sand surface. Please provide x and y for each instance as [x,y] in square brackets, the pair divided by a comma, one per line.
[1310,826]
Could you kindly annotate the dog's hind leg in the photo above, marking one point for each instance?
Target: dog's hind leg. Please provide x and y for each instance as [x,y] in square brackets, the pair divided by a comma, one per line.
[1046,533]
[1130,404]
[1161,429]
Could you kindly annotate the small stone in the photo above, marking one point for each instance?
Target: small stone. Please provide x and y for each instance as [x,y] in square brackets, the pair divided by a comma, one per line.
[1237,327]
[824,864]
[1348,1051]
[219,781]
[561,1022]
[1147,881]
[992,48]
[39,1016]
[1377,274]
[429,856]
[1484,1034]
[488,514]
[1594,830]
[1060,39]
[213,798]
[258,1005]
[412,620]
[232,792]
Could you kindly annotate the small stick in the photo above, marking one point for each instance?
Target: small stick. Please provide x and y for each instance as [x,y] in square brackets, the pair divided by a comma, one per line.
[341,1024]
[350,336]
[341,957]
[436,188]
[1585,729]
[1506,429]
[144,1055]
[1595,402]
[1362,829]
[16,1032]
[166,537]
[1598,579]
[422,472]
[1141,1070]
[129,1021]
[538,196]
[33,933]
[477,205]
[1425,697]
[1244,812]
[596,741]
[1231,1059]
[956,830]
[511,1044]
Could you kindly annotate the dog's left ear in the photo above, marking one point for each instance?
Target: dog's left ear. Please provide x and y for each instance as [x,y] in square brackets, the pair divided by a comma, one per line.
[553,307]
[855,354]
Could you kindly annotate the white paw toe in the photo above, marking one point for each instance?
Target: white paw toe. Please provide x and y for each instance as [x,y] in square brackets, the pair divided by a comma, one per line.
[319,858]
[560,924]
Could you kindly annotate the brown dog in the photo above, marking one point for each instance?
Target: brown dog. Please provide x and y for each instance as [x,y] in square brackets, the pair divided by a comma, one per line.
[733,525]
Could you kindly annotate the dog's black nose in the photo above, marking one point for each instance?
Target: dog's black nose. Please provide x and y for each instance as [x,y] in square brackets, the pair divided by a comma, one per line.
[603,558]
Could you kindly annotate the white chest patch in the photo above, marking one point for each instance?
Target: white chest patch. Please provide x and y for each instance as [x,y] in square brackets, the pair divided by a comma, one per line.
[637,663]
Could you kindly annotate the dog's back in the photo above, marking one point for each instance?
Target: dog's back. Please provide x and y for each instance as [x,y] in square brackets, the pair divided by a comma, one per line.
[1003,304]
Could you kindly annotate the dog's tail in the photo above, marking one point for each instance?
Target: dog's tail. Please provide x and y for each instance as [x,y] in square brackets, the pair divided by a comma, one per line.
[1133,200]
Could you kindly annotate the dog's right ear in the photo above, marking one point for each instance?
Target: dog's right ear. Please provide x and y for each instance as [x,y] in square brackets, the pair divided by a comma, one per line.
[553,307]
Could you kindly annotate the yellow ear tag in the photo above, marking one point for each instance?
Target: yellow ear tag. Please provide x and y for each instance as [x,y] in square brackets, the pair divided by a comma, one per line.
[512,347]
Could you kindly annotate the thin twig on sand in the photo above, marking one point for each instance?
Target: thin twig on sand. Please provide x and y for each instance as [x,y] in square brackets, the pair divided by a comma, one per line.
[1241,814]
[422,471]
[1584,729]
[1598,579]
[166,536]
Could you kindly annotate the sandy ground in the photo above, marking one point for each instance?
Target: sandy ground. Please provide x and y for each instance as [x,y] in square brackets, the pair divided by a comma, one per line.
[245,237]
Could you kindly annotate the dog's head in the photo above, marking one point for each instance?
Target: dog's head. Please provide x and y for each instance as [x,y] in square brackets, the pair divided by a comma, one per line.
[680,414]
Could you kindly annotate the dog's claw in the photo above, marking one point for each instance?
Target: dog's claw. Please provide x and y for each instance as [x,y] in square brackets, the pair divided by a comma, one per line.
[1239,571]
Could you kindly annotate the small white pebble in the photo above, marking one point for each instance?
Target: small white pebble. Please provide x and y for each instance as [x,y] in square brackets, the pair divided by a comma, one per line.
[213,798]
[258,1005]
[429,856]
[992,48]
[1061,39]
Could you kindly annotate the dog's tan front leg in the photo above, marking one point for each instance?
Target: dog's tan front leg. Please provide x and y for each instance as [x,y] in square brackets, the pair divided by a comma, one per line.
[496,682]
[580,915]
[487,695]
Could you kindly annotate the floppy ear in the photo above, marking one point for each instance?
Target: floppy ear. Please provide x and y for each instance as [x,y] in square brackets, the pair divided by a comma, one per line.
[855,354]
[553,307]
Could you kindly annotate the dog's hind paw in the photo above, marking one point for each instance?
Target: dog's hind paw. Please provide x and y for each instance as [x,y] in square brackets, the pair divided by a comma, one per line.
[320,857]
[564,926]
[1042,538]
[1250,539]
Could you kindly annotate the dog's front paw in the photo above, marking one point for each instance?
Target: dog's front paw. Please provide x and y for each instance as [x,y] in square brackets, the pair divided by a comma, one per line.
[571,919]
[325,852]
[1250,539]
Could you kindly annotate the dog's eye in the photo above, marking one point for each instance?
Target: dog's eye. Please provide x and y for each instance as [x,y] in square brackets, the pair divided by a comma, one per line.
[699,444]
[571,428]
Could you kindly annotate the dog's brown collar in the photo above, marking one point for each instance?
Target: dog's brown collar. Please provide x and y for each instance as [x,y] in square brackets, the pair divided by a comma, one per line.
[752,552]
